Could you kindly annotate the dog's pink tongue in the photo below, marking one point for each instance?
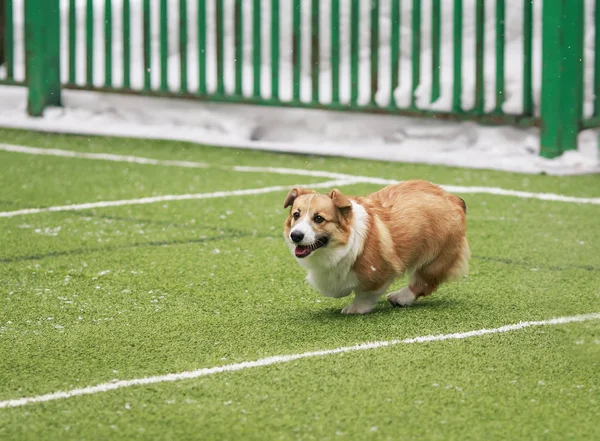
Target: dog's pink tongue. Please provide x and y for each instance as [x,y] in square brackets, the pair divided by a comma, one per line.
[301,251]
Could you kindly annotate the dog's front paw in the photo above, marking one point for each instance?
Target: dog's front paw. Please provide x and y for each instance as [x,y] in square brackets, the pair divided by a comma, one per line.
[357,308]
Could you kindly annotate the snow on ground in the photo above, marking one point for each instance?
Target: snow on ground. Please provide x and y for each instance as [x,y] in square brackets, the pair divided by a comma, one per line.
[366,136]
[302,131]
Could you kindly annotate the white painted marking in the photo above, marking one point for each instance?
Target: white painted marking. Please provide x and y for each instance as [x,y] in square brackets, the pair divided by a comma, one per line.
[451,188]
[169,197]
[521,194]
[299,172]
[278,359]
[98,156]
[296,172]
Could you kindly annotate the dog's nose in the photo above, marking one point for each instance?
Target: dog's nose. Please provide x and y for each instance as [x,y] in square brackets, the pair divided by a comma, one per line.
[297,236]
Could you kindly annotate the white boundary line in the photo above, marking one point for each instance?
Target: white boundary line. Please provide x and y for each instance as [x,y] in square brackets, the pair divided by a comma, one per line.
[297,172]
[278,359]
[171,197]
[451,188]
[99,156]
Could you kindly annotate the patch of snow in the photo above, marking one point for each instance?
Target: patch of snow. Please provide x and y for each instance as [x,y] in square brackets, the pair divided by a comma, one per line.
[378,137]
[53,232]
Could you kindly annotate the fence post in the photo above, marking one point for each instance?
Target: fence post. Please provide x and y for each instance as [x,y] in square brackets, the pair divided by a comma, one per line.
[2,19]
[42,52]
[562,75]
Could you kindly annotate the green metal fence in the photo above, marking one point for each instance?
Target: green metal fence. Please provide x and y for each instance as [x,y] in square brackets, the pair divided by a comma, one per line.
[202,29]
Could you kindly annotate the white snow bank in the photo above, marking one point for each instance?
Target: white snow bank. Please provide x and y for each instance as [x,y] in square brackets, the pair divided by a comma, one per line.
[302,131]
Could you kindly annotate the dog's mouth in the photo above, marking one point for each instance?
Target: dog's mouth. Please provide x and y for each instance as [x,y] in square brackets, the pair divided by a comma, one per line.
[302,251]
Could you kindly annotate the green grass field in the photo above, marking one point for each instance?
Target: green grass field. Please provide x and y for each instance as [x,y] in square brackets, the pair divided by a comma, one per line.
[135,291]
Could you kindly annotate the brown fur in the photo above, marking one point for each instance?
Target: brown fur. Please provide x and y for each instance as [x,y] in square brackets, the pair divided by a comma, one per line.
[427,228]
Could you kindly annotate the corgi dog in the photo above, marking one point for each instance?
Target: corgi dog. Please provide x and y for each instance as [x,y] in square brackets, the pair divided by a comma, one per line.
[363,244]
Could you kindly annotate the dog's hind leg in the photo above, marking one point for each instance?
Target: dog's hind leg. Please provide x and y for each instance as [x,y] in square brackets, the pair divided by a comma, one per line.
[428,278]
[402,297]
[420,283]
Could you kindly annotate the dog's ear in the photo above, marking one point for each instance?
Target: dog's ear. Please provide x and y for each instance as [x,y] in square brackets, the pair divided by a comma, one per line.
[340,200]
[293,194]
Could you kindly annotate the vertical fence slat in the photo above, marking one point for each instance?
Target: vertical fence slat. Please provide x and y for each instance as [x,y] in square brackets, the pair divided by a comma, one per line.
[108,43]
[183,46]
[7,51]
[416,50]
[89,42]
[72,42]
[147,46]
[256,47]
[335,51]
[597,59]
[562,76]
[374,50]
[126,44]
[238,36]
[457,57]
[354,48]
[527,57]
[201,47]
[275,49]
[500,35]
[42,43]
[436,26]
[395,50]
[551,131]
[479,54]
[314,50]
[164,46]
[296,48]
[220,31]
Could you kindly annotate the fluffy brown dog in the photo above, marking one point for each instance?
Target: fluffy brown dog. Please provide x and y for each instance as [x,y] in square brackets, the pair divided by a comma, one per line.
[363,244]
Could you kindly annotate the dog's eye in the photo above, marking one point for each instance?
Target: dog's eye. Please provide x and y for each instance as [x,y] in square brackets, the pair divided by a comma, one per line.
[296,215]
[318,219]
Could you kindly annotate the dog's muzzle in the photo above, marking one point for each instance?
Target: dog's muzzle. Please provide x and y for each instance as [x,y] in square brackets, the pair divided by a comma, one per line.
[302,251]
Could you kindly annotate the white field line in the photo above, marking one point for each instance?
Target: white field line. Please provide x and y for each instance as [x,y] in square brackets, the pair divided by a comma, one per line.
[278,359]
[171,197]
[520,194]
[451,188]
[98,156]
[299,172]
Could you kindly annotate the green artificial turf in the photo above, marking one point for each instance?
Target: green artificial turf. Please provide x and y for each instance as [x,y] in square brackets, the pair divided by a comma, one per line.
[141,290]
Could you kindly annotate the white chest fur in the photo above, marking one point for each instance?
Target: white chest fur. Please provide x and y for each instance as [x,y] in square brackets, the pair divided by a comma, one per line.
[330,271]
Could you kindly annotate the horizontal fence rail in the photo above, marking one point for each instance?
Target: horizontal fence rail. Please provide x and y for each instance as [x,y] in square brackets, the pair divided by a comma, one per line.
[491,61]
